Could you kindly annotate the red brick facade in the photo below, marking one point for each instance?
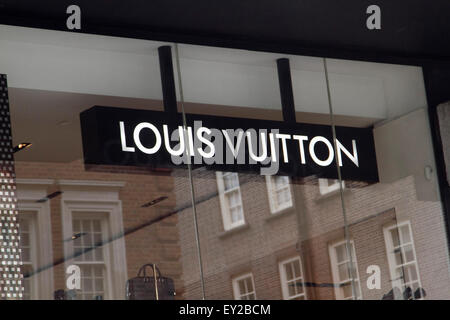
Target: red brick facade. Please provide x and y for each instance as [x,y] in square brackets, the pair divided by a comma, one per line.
[306,230]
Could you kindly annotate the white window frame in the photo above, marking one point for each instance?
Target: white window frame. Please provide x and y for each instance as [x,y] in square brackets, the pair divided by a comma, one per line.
[271,192]
[226,214]
[284,281]
[97,198]
[325,187]
[29,191]
[34,247]
[391,257]
[236,292]
[335,271]
[106,253]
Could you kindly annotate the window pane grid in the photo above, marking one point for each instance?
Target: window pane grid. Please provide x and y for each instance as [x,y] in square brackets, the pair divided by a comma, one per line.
[89,234]
[92,282]
[294,279]
[26,256]
[232,206]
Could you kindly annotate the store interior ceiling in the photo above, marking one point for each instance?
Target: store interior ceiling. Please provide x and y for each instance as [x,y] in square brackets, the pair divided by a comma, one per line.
[54,75]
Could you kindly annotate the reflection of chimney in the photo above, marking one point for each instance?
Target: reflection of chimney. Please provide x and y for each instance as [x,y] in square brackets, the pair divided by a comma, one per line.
[443,112]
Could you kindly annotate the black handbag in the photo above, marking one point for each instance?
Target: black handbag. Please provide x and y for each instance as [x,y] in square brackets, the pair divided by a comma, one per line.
[150,287]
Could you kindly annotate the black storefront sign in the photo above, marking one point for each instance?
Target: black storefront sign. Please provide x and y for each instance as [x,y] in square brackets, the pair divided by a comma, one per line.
[409,29]
[151,139]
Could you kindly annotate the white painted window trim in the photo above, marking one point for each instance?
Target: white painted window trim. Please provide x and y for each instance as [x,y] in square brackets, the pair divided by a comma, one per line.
[28,192]
[390,252]
[283,278]
[236,292]
[271,194]
[111,185]
[98,197]
[335,271]
[226,214]
[34,247]
[326,188]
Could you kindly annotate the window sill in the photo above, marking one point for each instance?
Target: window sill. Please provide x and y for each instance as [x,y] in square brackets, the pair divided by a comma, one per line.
[331,194]
[279,214]
[235,230]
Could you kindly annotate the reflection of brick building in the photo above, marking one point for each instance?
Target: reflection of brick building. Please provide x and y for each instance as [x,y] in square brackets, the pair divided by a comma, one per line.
[114,200]
[257,241]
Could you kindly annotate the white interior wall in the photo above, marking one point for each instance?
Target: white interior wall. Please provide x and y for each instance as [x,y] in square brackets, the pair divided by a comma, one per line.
[78,63]
[404,148]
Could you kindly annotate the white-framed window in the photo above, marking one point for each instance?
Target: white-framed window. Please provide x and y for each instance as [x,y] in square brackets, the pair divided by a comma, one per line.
[230,199]
[244,287]
[90,230]
[402,259]
[35,238]
[28,245]
[343,270]
[327,186]
[91,218]
[292,281]
[279,192]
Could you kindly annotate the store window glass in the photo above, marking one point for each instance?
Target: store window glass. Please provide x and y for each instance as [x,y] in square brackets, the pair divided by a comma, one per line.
[402,213]
[85,232]
[352,213]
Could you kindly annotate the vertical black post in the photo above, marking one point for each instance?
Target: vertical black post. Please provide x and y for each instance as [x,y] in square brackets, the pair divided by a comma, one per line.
[287,95]
[167,79]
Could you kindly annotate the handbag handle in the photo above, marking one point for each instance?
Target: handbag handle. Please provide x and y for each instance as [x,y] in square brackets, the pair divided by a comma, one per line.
[142,270]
